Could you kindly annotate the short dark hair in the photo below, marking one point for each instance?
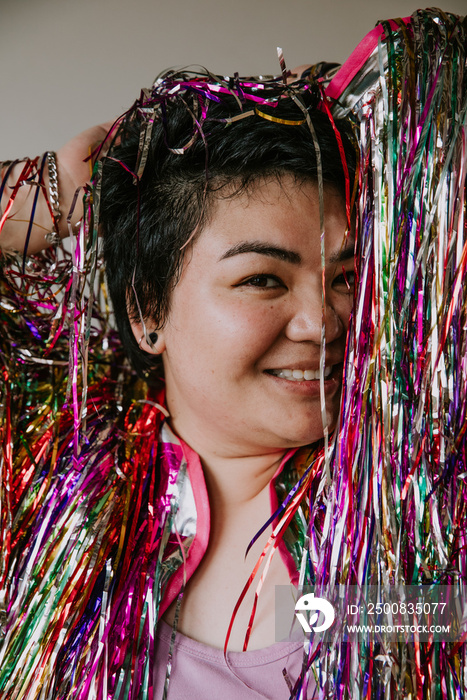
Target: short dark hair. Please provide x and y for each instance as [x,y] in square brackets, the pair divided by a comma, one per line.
[199,149]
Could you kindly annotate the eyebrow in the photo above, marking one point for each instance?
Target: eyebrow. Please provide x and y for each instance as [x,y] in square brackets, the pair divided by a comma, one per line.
[263,249]
[344,254]
[282,253]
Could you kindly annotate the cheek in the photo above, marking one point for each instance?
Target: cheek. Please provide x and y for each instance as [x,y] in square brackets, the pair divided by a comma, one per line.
[343,309]
[246,329]
[217,335]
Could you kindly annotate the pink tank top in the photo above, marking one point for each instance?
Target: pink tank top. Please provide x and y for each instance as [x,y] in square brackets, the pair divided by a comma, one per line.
[199,672]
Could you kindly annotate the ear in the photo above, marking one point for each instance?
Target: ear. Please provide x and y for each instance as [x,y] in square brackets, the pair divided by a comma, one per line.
[144,336]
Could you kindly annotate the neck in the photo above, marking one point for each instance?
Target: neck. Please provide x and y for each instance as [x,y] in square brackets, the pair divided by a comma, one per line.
[239,480]
[235,473]
[233,477]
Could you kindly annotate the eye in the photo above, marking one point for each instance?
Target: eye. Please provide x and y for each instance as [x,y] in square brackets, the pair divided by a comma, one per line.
[262,281]
[345,281]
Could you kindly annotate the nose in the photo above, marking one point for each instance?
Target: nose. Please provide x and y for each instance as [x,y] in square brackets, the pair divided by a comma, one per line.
[307,319]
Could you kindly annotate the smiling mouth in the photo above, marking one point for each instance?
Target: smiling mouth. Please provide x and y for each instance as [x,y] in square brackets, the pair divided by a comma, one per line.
[300,375]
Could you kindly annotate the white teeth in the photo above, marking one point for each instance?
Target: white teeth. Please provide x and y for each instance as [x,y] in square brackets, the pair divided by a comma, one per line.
[298,375]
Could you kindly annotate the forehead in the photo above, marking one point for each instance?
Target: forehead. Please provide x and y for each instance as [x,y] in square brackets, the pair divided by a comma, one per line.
[283,212]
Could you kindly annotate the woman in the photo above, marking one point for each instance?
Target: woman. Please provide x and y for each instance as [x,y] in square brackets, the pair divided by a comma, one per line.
[210,269]
[113,525]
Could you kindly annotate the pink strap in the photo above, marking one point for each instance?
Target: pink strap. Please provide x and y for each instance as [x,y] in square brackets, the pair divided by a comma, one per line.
[199,545]
[357,59]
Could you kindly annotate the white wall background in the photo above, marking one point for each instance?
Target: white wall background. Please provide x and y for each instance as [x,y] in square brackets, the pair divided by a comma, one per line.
[67,64]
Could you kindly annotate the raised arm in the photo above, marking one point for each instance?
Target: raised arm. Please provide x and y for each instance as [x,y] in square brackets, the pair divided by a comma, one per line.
[29,188]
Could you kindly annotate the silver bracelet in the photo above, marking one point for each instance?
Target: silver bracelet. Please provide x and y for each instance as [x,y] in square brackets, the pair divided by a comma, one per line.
[54,201]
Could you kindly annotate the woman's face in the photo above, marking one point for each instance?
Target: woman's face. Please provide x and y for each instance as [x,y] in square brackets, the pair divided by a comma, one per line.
[241,344]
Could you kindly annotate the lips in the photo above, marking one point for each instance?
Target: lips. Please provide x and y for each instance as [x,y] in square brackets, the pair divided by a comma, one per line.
[285,381]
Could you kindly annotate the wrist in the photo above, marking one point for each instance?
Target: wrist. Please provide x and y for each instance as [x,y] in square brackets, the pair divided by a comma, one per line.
[53,198]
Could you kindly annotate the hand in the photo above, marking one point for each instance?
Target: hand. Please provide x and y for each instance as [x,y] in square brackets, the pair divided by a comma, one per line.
[75,167]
